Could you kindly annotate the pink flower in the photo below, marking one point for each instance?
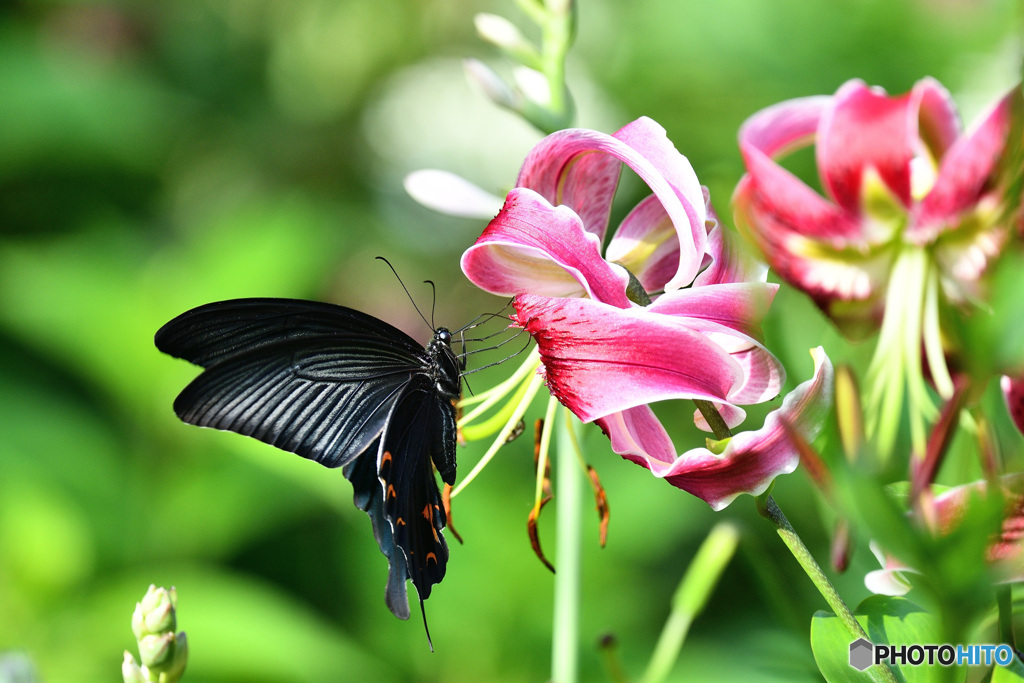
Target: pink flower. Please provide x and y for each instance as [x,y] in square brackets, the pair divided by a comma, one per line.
[913,213]
[1005,554]
[605,356]
[1013,391]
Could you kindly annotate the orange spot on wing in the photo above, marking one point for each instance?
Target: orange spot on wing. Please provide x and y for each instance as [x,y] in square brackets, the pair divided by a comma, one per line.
[386,457]
[426,512]
[400,521]
[432,556]
[391,492]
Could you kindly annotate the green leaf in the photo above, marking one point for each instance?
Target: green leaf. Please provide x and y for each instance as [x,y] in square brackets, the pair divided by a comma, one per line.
[1012,673]
[888,621]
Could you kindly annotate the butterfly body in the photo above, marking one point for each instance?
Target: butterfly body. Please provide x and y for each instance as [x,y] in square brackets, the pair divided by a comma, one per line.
[343,388]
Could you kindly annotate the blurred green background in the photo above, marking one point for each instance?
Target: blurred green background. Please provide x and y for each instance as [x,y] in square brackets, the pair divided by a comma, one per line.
[159,155]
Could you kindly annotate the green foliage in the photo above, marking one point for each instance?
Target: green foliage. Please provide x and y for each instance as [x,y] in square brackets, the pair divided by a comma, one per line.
[888,621]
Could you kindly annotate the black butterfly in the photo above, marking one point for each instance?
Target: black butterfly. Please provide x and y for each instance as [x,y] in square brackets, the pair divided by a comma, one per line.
[342,388]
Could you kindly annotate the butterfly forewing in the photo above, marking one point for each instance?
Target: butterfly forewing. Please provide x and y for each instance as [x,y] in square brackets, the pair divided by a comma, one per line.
[222,329]
[323,400]
[342,388]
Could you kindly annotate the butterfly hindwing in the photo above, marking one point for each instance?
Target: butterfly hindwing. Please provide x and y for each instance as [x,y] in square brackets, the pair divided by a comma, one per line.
[412,501]
[366,490]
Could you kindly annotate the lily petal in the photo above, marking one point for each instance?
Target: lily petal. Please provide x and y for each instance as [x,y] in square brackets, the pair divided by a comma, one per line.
[866,129]
[763,376]
[740,306]
[650,140]
[965,174]
[450,194]
[1005,554]
[751,460]
[638,431]
[1013,391]
[890,579]
[532,246]
[564,169]
[599,359]
[731,315]
[647,245]
[780,204]
[938,119]
[730,260]
[847,283]
[771,190]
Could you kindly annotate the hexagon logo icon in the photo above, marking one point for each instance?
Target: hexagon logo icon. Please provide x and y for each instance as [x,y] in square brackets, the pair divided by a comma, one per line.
[861,654]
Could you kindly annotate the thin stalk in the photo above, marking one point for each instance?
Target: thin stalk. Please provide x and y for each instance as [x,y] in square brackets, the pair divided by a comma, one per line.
[770,510]
[569,495]
[690,598]
[1004,598]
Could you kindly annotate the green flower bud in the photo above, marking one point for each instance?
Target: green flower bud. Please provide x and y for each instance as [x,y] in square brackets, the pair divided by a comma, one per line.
[162,653]
[130,670]
[172,669]
[138,622]
[154,649]
[493,85]
[155,613]
[161,619]
[505,35]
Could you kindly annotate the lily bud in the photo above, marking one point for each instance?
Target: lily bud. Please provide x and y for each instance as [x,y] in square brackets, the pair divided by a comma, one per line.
[162,653]
[154,649]
[493,85]
[130,670]
[507,36]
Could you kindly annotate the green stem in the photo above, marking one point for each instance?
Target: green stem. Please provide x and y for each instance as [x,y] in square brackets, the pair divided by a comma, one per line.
[1004,598]
[555,45]
[713,418]
[690,598]
[569,500]
[770,510]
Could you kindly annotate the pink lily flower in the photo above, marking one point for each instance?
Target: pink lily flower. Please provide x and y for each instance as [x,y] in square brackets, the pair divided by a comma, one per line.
[605,356]
[1005,554]
[1013,391]
[914,211]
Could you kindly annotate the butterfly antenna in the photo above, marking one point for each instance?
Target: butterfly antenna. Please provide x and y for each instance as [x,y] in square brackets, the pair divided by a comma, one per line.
[433,301]
[423,611]
[381,258]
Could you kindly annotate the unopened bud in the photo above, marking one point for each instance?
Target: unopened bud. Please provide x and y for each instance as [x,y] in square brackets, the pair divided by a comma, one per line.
[505,35]
[130,671]
[154,649]
[493,85]
[172,669]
